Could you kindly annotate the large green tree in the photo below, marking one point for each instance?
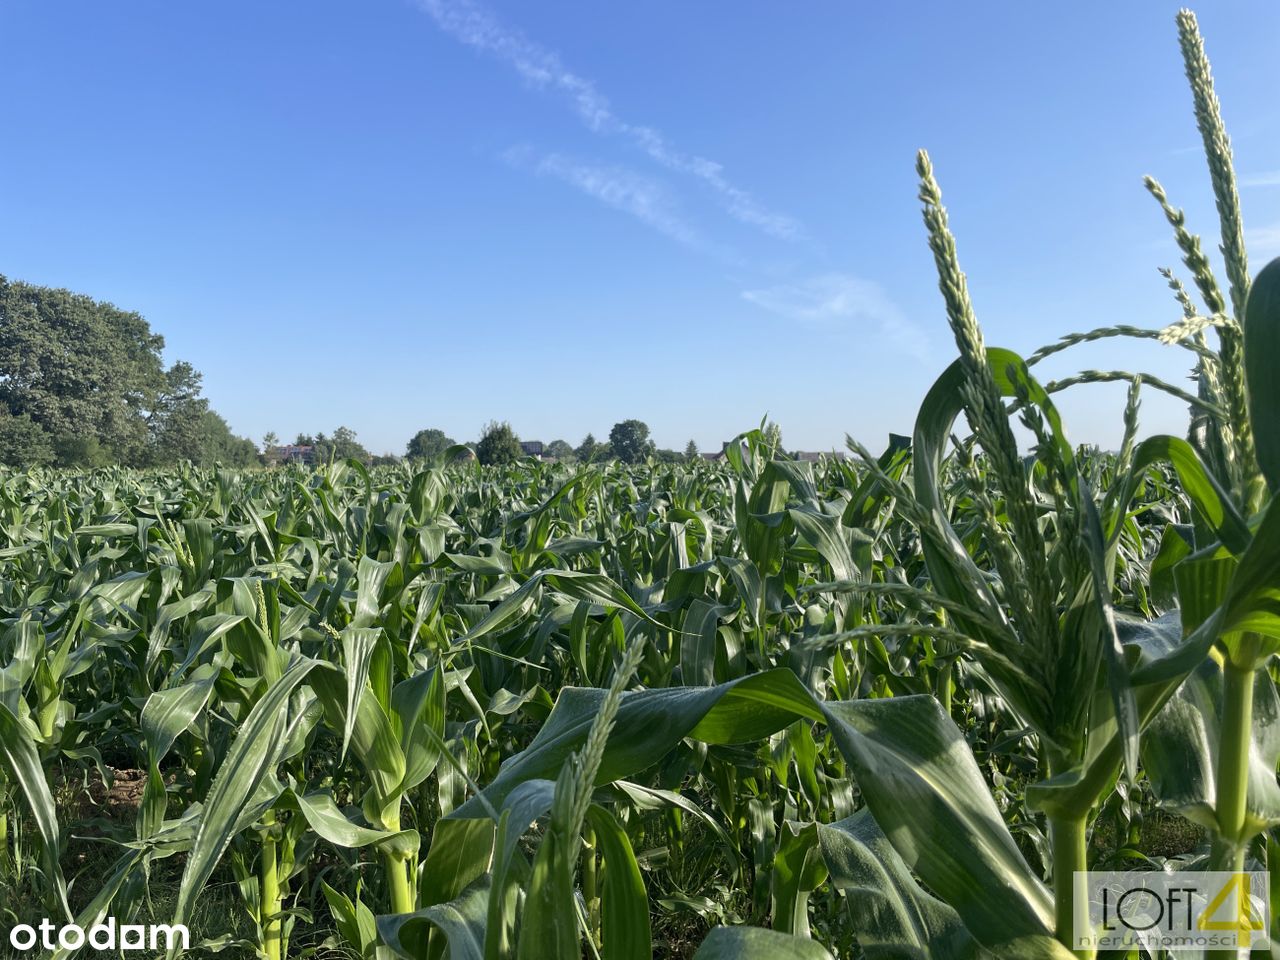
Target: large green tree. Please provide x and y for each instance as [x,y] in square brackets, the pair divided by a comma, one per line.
[629,441]
[80,369]
[498,444]
[341,445]
[217,444]
[428,444]
[176,419]
[84,382]
[560,450]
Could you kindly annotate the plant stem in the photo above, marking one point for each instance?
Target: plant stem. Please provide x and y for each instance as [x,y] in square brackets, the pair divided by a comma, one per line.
[270,905]
[1233,777]
[590,882]
[1070,896]
[397,873]
[1233,767]
[944,685]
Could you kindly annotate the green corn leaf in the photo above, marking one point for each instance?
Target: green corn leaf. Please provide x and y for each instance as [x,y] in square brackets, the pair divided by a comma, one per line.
[755,943]
[22,766]
[798,868]
[458,856]
[358,644]
[624,902]
[928,796]
[461,921]
[417,706]
[1262,360]
[548,923]
[167,713]
[698,644]
[372,578]
[526,803]
[1180,750]
[655,720]
[247,766]
[355,921]
[374,741]
[892,916]
[1212,503]
[331,824]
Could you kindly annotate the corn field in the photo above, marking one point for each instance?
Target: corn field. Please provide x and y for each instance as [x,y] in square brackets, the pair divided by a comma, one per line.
[883,707]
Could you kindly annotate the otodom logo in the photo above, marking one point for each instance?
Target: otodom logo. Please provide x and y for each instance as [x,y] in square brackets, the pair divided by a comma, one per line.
[105,936]
[1212,910]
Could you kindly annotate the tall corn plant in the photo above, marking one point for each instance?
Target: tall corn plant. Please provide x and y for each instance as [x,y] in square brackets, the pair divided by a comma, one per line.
[1238,437]
[1230,466]
[1033,607]
[1052,550]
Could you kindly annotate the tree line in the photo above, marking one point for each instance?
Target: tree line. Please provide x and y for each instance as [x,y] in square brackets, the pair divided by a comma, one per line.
[82,383]
[629,441]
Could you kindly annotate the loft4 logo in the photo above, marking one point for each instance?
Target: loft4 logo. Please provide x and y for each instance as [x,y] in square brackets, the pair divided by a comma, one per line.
[1232,910]
[1212,910]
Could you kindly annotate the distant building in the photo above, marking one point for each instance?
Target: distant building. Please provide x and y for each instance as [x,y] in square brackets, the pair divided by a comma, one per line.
[291,453]
[808,456]
[532,448]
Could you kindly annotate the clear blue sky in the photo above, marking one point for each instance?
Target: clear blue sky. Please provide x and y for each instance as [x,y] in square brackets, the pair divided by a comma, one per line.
[393,214]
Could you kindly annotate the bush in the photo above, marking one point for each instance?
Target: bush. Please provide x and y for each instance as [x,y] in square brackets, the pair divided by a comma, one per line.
[498,444]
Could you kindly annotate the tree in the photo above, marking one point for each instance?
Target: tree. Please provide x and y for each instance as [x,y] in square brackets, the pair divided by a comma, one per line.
[176,420]
[270,439]
[342,445]
[428,445]
[79,368]
[587,448]
[217,444]
[560,450]
[629,441]
[691,451]
[23,443]
[90,376]
[71,451]
[498,444]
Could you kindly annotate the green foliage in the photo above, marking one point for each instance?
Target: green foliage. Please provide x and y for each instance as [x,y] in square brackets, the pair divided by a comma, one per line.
[341,445]
[23,443]
[498,444]
[560,450]
[89,377]
[218,445]
[773,437]
[428,445]
[629,441]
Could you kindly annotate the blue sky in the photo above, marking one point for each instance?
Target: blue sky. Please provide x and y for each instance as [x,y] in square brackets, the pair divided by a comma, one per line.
[395,214]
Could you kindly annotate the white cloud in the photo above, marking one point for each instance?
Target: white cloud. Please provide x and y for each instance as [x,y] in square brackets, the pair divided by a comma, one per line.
[475,26]
[644,198]
[1262,243]
[1269,179]
[836,301]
